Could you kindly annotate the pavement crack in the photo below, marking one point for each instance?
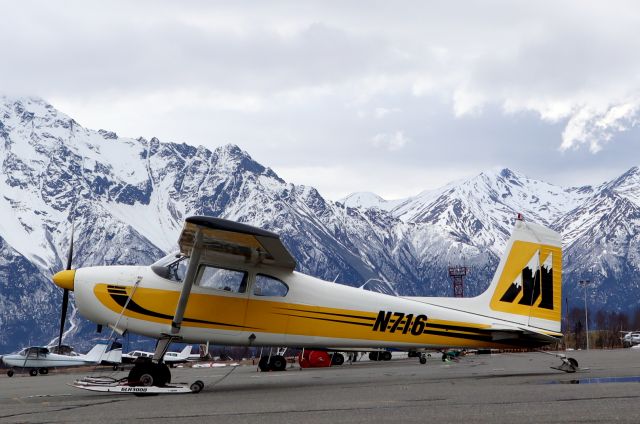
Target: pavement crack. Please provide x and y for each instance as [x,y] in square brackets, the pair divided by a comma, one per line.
[65,408]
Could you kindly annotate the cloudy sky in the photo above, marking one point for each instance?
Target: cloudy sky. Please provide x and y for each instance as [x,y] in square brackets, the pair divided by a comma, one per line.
[389,97]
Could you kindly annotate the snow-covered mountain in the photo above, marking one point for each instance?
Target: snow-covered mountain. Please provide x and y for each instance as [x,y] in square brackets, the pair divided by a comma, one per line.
[127,199]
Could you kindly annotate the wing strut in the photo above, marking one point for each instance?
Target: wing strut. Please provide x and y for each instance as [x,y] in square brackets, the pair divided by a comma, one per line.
[188,283]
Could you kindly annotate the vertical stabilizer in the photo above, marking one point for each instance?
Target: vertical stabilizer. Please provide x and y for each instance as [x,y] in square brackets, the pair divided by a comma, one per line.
[527,286]
[96,354]
[184,354]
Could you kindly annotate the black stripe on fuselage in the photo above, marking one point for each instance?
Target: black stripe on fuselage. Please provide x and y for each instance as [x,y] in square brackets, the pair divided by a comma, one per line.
[330,314]
[326,319]
[121,300]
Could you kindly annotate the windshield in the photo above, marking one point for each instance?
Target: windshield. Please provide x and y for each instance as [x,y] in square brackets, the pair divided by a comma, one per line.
[172,267]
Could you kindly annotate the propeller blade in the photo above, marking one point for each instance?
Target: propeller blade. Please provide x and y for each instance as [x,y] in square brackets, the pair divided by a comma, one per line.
[70,253]
[65,293]
[63,315]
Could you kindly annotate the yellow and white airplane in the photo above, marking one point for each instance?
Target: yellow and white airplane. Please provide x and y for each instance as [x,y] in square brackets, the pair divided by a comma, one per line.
[233,284]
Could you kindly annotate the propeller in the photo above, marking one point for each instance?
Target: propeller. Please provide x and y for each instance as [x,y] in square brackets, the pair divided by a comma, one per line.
[65,293]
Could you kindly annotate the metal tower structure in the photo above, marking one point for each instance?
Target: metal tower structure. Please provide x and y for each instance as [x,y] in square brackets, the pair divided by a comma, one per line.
[457,274]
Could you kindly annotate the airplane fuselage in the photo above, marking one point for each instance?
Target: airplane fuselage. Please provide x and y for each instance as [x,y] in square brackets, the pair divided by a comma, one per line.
[49,361]
[312,312]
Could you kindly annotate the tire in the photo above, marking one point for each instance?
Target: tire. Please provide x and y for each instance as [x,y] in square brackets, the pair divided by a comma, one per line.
[196,386]
[165,373]
[386,356]
[423,360]
[264,364]
[573,362]
[33,372]
[374,356]
[10,373]
[43,371]
[149,374]
[337,359]
[278,363]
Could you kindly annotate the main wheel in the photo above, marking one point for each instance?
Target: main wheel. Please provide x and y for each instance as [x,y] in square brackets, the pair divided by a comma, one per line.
[337,359]
[386,356]
[264,364]
[149,374]
[423,359]
[33,372]
[43,371]
[374,356]
[10,373]
[278,363]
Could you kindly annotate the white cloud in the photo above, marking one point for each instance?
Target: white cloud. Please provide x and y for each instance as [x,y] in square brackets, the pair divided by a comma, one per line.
[316,80]
[391,142]
[381,112]
[596,127]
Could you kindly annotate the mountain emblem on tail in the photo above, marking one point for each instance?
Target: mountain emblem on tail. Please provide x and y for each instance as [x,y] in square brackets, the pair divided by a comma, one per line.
[534,282]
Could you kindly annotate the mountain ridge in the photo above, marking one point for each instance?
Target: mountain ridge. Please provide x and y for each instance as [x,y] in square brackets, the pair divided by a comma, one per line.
[127,199]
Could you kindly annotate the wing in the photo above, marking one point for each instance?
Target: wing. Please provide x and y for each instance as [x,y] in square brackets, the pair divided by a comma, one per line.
[223,236]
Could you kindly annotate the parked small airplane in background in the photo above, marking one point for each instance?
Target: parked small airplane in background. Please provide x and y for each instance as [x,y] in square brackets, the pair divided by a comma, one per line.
[170,358]
[236,285]
[39,359]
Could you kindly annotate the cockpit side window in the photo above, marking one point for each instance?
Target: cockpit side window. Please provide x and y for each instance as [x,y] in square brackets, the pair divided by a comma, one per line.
[172,267]
[265,285]
[230,280]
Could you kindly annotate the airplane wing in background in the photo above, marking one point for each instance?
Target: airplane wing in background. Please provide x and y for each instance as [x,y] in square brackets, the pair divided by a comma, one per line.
[223,236]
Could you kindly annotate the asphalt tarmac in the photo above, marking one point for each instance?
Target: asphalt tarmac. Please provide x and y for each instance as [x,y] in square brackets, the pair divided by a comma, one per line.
[499,388]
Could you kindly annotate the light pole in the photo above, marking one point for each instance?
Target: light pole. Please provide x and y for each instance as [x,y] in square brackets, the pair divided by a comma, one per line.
[585,283]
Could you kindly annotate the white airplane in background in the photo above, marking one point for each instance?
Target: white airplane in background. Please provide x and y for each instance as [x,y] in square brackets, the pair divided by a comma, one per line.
[234,284]
[39,359]
[170,358]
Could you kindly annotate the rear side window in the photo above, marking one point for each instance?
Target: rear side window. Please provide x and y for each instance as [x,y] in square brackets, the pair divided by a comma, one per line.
[266,285]
[230,280]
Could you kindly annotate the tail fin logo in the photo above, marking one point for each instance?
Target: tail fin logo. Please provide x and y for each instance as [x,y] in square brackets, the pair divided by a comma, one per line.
[534,282]
[530,282]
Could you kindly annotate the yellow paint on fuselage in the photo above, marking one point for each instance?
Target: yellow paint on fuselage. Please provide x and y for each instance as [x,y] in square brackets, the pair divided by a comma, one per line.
[251,314]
